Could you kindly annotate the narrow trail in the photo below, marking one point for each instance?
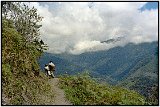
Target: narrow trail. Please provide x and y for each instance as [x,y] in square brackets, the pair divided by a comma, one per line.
[58,99]
[59,93]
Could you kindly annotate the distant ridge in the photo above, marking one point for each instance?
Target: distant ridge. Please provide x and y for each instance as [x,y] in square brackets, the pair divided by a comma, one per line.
[129,66]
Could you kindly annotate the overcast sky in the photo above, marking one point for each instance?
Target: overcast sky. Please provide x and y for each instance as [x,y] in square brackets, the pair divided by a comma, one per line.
[78,27]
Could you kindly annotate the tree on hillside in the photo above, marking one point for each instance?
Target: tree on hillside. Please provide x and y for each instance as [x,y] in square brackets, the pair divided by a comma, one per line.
[26,21]
[20,36]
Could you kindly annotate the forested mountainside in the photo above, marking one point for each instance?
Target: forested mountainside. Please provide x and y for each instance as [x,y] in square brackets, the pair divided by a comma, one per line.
[62,65]
[134,66]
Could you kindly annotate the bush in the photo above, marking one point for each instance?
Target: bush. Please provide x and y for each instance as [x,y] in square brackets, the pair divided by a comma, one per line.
[83,90]
[22,81]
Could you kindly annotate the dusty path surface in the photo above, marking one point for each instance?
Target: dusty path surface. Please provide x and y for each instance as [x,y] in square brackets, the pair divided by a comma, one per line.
[59,93]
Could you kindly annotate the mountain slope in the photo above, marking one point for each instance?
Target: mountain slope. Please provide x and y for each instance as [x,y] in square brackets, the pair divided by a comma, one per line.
[22,81]
[144,80]
[83,90]
[133,66]
[62,65]
[117,63]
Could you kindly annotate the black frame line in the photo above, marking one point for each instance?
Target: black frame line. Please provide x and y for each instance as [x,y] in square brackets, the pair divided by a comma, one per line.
[80,1]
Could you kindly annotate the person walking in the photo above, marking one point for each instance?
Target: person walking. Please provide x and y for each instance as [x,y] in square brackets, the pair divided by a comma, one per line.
[46,68]
[51,68]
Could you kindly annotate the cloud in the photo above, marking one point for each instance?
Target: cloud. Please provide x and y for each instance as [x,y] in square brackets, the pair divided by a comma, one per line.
[80,27]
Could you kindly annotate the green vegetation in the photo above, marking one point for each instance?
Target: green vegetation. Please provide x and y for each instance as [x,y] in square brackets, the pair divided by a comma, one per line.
[134,66]
[22,81]
[82,90]
[145,80]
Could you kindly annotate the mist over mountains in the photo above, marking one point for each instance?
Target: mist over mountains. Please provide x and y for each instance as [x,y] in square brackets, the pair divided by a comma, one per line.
[134,66]
[84,27]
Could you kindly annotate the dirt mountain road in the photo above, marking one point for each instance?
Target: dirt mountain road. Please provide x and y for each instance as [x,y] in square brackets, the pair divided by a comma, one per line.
[59,93]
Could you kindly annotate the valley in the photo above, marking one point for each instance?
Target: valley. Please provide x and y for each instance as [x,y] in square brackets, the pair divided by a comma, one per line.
[132,66]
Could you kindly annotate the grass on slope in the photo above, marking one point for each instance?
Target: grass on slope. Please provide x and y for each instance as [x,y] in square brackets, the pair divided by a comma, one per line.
[82,90]
[22,81]
[24,90]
